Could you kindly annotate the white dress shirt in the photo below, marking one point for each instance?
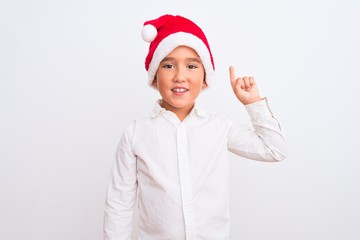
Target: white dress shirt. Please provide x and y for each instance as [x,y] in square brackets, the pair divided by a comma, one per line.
[179,172]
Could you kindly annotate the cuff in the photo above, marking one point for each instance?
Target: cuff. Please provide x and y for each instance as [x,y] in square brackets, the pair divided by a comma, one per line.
[259,111]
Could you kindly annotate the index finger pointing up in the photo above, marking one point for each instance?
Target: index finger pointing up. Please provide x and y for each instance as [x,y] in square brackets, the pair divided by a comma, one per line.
[232,75]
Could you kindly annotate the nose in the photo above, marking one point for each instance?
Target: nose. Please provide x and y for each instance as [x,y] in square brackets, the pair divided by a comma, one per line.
[180,75]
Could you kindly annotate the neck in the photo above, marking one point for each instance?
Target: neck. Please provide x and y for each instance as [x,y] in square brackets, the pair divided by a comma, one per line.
[181,113]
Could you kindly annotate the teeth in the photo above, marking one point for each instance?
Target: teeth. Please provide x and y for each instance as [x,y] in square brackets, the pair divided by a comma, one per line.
[180,90]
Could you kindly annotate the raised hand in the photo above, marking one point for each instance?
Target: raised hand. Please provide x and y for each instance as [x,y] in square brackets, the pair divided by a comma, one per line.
[245,88]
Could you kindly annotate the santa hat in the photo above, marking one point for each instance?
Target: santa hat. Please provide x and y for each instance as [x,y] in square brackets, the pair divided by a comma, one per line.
[168,32]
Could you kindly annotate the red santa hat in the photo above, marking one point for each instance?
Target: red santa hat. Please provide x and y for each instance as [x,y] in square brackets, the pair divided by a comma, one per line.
[168,32]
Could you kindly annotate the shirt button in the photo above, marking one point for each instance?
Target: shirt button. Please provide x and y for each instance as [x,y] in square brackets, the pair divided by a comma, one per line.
[187,210]
[184,181]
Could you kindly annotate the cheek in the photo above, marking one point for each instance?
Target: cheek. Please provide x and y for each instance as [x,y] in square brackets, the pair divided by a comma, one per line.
[161,85]
[199,86]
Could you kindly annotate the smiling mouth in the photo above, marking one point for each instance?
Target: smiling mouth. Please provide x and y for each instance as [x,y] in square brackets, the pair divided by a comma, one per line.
[179,90]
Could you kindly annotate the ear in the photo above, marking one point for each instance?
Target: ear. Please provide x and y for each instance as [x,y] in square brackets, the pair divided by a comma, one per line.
[204,84]
[154,83]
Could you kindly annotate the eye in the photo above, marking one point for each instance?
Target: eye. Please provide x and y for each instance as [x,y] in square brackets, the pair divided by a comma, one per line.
[168,65]
[192,66]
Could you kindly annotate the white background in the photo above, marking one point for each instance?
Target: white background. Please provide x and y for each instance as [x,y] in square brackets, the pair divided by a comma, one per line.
[72,78]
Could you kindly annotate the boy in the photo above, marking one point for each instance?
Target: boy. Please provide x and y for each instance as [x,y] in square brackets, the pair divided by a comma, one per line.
[174,161]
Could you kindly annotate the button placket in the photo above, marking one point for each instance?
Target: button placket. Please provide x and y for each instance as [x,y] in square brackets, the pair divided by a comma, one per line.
[185,183]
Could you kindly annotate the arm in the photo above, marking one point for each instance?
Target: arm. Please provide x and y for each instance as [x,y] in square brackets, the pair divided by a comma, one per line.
[121,193]
[265,142]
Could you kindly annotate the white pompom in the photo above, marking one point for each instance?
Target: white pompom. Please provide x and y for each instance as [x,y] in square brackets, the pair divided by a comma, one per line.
[148,33]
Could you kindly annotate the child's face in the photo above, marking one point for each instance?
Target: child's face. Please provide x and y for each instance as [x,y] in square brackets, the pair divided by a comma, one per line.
[179,79]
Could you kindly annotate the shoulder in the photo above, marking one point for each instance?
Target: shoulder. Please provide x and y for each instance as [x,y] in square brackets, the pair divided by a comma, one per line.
[141,124]
[133,129]
[138,121]
[214,117]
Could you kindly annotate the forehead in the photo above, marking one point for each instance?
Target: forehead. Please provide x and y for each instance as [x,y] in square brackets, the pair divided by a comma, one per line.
[183,51]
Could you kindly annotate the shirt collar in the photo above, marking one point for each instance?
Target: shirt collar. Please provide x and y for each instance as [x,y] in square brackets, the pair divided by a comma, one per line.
[158,109]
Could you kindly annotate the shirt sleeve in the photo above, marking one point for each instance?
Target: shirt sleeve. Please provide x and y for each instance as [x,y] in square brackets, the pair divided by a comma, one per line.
[121,192]
[263,142]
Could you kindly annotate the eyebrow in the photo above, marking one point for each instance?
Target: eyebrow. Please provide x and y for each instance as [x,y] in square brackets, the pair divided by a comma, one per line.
[187,59]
